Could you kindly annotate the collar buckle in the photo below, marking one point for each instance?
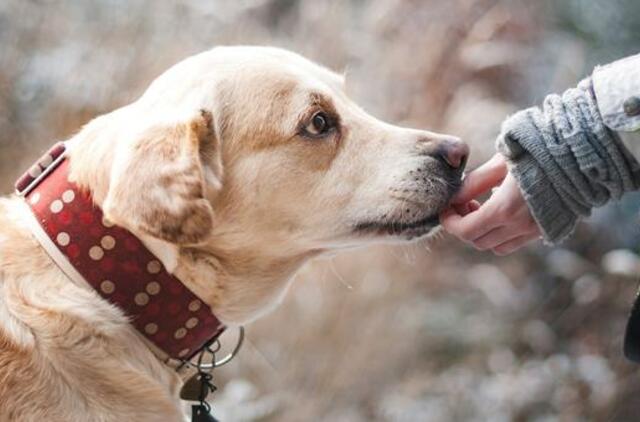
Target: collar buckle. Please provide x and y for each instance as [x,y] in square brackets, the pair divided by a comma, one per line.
[39,171]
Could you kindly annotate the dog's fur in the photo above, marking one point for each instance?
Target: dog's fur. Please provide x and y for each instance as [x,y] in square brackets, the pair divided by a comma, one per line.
[213,169]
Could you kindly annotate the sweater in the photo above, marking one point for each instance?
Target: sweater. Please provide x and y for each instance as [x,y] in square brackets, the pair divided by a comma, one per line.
[576,151]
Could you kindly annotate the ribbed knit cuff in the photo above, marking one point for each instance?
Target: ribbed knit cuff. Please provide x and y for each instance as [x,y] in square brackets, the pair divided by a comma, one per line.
[566,161]
[555,220]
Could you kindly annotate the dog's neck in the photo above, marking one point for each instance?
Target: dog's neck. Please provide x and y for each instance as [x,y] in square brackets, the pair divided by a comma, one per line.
[240,284]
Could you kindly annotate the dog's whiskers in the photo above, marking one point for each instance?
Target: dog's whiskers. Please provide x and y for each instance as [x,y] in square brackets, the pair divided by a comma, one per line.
[339,276]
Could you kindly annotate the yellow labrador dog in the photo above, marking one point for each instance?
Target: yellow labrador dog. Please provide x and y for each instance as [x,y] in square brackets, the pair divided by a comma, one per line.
[234,168]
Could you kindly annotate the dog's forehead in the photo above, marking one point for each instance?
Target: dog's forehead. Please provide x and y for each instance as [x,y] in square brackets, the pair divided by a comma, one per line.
[274,65]
[285,59]
[245,73]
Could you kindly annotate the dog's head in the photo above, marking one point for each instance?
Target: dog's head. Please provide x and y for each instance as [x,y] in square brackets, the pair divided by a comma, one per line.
[255,158]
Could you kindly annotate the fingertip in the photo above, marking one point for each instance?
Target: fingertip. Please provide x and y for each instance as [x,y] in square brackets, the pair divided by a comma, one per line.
[481,180]
[462,209]
[474,205]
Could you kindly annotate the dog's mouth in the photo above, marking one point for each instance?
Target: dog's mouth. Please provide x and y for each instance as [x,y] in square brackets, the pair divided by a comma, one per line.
[415,228]
[395,228]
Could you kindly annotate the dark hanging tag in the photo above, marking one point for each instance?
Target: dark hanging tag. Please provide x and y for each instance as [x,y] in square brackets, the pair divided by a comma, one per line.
[197,388]
[200,385]
[201,413]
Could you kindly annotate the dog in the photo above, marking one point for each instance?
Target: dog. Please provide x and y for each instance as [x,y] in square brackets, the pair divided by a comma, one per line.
[234,168]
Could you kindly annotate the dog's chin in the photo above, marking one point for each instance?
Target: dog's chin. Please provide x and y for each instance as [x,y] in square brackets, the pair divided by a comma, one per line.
[404,230]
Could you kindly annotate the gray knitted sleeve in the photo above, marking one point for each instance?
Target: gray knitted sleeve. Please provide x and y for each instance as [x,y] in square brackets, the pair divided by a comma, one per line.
[566,161]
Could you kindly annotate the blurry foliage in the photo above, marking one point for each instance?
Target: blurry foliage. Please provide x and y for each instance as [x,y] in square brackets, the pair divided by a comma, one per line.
[386,333]
[609,29]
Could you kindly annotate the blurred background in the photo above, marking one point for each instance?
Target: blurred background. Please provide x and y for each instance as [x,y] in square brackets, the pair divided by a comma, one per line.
[432,331]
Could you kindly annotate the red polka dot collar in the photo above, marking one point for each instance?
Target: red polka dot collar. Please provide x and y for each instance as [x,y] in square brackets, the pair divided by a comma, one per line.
[113,261]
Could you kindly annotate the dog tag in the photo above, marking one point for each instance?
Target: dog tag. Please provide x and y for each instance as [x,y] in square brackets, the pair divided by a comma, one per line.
[199,413]
[197,388]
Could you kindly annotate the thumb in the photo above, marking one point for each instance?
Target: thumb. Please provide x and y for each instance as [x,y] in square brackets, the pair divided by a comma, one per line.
[481,180]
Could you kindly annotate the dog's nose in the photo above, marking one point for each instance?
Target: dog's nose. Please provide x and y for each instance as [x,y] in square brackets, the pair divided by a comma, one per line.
[454,153]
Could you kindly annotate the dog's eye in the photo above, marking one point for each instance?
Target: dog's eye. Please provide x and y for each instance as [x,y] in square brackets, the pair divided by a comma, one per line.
[319,125]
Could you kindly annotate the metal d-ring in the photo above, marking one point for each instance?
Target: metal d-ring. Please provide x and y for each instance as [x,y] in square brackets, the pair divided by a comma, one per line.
[217,363]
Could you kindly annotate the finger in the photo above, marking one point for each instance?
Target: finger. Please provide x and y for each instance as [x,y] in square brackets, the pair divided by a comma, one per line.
[497,237]
[482,179]
[514,244]
[474,205]
[470,226]
[467,207]
[447,214]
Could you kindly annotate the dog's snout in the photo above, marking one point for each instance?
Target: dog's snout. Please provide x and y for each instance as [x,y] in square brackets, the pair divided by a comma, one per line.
[453,152]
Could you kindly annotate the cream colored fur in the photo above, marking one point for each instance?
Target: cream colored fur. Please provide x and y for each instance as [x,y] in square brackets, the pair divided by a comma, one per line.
[210,168]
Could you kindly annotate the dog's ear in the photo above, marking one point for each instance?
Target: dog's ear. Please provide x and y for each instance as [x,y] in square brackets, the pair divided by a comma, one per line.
[161,180]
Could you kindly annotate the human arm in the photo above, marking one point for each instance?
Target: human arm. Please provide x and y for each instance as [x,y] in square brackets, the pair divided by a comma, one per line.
[565,158]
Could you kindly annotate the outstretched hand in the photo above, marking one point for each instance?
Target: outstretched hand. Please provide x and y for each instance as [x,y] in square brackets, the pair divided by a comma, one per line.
[503,223]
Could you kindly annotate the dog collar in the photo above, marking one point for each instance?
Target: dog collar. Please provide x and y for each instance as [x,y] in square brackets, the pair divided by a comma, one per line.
[88,248]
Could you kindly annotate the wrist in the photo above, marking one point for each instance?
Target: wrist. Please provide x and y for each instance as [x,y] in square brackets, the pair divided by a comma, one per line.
[555,220]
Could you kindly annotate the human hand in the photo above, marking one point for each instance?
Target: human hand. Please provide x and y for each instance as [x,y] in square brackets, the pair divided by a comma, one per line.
[503,223]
